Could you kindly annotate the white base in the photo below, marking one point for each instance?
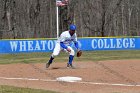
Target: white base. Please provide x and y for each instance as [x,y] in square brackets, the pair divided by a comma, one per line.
[69,79]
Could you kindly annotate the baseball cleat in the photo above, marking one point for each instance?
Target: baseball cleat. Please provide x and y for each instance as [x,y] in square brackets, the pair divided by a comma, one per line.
[70,66]
[47,65]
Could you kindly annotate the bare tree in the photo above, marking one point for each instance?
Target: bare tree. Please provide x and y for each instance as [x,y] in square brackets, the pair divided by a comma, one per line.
[37,18]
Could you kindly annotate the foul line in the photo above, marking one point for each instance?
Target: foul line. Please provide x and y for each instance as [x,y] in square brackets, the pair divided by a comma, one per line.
[91,83]
[28,79]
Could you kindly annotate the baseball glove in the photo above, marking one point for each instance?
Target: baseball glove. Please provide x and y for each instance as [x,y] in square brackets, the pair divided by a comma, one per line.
[79,53]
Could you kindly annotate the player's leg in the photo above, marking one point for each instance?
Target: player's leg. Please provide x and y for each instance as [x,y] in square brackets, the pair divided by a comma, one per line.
[56,51]
[71,57]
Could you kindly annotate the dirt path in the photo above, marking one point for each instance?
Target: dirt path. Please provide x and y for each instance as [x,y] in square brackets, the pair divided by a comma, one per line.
[115,76]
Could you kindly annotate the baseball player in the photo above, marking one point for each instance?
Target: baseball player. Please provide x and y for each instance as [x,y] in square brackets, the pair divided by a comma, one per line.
[63,43]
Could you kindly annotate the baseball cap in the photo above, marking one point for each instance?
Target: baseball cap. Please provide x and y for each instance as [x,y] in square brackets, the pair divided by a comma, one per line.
[72,27]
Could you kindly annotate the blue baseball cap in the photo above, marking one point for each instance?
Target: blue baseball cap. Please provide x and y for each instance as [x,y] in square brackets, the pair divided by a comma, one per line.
[72,27]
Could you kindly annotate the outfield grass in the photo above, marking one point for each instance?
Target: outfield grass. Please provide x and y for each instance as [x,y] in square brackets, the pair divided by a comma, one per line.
[87,56]
[63,57]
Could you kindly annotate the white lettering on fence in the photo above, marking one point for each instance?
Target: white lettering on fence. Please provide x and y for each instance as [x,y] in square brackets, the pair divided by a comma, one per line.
[113,43]
[50,44]
[14,45]
[22,45]
[43,43]
[32,45]
[37,46]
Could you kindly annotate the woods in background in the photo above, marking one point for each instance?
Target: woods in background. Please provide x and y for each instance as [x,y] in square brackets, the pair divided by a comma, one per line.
[37,18]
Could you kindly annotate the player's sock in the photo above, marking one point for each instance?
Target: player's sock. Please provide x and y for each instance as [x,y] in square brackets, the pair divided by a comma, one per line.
[70,59]
[51,60]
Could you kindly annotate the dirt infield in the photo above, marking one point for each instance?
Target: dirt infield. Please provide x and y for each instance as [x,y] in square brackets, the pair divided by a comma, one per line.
[114,76]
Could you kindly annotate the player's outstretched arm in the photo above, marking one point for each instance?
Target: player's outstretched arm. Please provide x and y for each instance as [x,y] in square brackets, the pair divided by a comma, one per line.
[64,46]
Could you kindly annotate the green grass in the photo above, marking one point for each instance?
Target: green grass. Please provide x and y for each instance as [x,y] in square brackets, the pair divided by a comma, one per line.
[11,89]
[86,56]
